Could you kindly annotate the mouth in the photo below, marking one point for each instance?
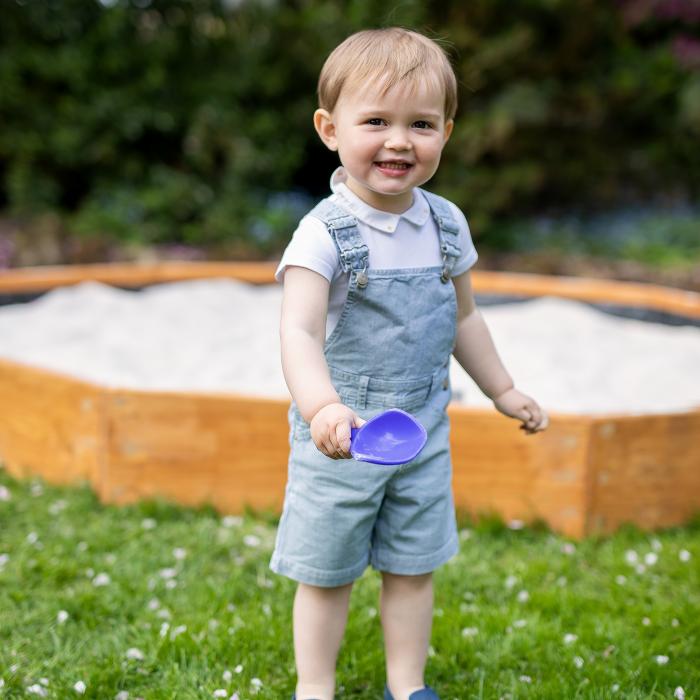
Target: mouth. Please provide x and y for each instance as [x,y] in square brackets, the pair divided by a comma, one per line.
[393,168]
[393,165]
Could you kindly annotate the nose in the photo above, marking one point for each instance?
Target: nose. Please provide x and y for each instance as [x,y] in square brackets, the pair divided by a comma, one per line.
[398,141]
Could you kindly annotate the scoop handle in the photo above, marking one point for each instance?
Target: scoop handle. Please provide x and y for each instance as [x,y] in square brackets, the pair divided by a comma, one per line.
[353,432]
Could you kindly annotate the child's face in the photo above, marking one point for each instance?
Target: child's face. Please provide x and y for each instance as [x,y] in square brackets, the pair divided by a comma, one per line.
[389,143]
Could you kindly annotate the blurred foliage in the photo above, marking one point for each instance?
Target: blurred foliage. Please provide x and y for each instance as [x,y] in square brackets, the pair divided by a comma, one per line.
[189,121]
[645,235]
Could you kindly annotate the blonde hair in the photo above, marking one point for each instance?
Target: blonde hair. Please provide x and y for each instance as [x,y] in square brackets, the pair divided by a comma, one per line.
[390,56]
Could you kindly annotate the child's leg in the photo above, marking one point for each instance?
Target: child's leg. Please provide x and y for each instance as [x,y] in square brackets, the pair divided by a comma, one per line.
[320,615]
[407,616]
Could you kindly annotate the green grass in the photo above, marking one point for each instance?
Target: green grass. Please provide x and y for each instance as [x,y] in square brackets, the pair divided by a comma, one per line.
[654,237]
[228,613]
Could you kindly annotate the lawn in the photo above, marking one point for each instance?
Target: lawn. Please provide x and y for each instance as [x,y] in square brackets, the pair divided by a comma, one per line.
[156,601]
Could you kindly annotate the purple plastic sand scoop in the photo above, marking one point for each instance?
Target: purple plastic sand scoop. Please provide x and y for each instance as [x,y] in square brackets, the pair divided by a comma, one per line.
[391,437]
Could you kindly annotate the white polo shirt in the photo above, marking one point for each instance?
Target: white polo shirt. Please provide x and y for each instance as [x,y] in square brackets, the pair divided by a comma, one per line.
[395,241]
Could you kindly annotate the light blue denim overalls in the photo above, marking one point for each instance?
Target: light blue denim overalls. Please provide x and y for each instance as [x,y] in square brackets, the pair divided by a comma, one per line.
[391,348]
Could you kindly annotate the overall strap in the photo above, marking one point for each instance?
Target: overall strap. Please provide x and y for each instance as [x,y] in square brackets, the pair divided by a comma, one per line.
[449,232]
[354,253]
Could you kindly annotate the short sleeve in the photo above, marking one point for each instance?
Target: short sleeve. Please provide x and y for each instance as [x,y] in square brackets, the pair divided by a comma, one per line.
[468,255]
[311,247]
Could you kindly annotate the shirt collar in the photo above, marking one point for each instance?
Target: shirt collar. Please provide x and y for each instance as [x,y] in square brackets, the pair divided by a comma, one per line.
[417,214]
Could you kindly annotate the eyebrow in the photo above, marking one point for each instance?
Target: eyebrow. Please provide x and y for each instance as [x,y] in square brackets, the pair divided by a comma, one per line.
[417,115]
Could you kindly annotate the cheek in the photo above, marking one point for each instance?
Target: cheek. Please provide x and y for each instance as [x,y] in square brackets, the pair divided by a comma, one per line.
[431,150]
[361,150]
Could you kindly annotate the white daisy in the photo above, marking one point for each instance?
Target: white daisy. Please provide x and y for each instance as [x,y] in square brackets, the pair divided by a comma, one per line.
[37,689]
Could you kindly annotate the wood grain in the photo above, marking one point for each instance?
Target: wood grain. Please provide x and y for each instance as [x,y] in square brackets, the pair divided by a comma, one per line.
[649,296]
[584,475]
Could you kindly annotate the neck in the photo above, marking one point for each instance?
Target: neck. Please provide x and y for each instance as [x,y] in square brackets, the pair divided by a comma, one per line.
[393,204]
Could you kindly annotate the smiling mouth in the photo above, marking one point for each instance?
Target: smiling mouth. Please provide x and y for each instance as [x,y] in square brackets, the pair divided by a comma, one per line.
[393,165]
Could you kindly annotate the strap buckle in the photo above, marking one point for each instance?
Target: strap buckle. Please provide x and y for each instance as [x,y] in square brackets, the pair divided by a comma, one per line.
[361,278]
[445,275]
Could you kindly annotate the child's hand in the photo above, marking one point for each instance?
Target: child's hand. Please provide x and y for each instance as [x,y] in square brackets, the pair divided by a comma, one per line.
[330,430]
[517,405]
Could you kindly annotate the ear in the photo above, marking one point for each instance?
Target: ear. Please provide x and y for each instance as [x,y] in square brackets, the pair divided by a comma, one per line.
[449,125]
[325,128]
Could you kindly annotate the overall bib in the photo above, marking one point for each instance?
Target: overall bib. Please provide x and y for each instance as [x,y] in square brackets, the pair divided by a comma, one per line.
[390,348]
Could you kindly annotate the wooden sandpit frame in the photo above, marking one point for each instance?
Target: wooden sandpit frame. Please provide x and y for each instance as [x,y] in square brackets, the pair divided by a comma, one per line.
[584,475]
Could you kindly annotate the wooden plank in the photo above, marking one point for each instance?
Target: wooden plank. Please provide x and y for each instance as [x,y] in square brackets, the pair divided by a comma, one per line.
[497,469]
[648,296]
[38,279]
[583,475]
[669,300]
[50,426]
[644,470]
[227,451]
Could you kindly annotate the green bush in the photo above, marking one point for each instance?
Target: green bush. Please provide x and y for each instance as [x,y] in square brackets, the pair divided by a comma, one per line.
[189,121]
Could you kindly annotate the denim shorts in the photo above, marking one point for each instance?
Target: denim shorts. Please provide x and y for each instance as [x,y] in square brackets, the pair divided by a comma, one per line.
[342,515]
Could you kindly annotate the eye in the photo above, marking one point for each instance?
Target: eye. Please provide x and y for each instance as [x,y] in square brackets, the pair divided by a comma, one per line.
[375,121]
[422,124]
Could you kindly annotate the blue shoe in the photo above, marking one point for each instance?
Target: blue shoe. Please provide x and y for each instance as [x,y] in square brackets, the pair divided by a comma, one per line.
[426,693]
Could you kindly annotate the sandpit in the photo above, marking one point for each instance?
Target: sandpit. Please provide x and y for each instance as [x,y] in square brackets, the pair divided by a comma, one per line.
[221,336]
[176,392]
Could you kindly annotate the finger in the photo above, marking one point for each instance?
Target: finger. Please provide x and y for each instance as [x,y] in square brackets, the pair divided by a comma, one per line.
[330,450]
[534,412]
[538,419]
[335,450]
[342,435]
[321,441]
[533,426]
[537,416]
[326,446]
[523,414]
[323,448]
[333,441]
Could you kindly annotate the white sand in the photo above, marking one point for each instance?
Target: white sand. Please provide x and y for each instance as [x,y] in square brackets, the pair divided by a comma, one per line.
[222,336]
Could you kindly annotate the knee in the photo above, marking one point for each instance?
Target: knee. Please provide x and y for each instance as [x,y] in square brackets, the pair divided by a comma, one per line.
[323,592]
[404,582]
